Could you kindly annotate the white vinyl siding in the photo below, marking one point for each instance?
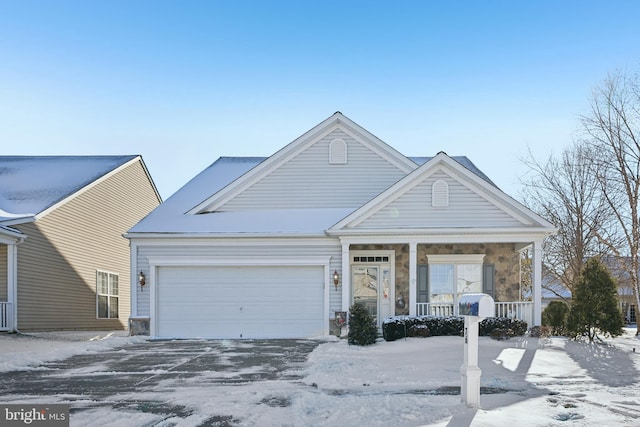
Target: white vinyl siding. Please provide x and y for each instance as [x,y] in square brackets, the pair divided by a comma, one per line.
[255,249]
[310,181]
[466,208]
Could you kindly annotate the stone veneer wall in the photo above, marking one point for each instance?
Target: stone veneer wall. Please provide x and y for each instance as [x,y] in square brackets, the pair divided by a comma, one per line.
[503,255]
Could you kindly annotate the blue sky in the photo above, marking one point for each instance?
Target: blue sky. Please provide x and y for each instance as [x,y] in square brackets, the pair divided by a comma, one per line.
[183,83]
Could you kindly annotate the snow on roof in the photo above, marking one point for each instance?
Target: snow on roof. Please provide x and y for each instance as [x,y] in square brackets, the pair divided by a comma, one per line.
[10,231]
[171,217]
[287,221]
[463,160]
[31,184]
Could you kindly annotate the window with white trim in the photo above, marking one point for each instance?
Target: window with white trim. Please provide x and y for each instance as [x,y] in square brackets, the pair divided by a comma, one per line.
[107,295]
[451,276]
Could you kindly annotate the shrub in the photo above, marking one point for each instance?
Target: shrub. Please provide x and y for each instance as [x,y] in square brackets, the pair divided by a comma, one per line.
[499,334]
[555,316]
[394,328]
[540,331]
[419,331]
[362,328]
[398,327]
[511,327]
[595,304]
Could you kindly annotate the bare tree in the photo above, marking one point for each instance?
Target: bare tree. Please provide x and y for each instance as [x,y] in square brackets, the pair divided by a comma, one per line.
[564,191]
[613,131]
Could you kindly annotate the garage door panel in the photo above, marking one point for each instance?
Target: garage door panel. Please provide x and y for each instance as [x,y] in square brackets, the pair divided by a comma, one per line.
[240,302]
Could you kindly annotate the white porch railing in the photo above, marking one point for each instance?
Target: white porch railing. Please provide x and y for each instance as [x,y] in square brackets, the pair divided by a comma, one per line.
[514,310]
[5,316]
[435,309]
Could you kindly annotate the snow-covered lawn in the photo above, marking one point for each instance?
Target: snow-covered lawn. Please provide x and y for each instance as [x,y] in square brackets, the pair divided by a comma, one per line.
[413,382]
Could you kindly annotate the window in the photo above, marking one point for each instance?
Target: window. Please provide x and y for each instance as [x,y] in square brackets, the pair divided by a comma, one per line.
[370,259]
[451,276]
[107,294]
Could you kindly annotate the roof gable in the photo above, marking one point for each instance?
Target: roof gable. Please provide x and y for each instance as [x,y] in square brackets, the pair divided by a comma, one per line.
[471,202]
[32,185]
[307,163]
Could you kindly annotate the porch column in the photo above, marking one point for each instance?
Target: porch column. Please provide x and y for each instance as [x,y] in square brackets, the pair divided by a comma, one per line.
[133,279]
[413,277]
[12,285]
[537,282]
[346,278]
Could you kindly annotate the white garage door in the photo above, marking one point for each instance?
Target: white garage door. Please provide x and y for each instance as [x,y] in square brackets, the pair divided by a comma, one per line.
[240,302]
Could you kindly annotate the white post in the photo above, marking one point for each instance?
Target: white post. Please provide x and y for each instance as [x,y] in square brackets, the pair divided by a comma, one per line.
[413,277]
[12,288]
[346,278]
[474,307]
[537,283]
[470,372]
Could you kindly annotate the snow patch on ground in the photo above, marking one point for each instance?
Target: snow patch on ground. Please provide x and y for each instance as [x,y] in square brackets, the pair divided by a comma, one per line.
[412,382]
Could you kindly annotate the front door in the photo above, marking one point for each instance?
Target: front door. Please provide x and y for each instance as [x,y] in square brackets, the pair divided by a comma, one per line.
[372,287]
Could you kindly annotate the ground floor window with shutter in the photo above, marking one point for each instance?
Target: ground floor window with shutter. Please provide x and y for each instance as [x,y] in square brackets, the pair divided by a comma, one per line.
[107,295]
[451,276]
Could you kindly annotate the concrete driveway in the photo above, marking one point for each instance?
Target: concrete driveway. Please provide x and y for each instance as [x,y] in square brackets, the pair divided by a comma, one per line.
[112,379]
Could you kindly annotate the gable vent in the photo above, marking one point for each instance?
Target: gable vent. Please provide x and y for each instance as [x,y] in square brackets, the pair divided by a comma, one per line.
[440,194]
[338,152]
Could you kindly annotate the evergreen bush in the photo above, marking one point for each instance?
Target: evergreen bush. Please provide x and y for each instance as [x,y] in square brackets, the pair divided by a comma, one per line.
[594,308]
[555,316]
[419,331]
[362,327]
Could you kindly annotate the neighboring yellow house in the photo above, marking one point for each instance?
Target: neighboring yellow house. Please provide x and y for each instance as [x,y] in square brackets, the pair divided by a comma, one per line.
[64,264]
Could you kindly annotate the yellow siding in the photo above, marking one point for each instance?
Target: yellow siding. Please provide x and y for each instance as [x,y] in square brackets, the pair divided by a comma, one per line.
[57,263]
[3,273]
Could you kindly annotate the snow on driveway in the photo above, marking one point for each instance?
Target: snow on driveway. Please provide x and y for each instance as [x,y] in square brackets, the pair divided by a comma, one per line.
[413,382]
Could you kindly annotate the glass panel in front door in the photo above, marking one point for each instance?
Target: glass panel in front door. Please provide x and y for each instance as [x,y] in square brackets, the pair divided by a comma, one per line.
[365,289]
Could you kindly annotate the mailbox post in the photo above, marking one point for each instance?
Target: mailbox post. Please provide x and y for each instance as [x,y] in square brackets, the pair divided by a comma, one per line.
[474,308]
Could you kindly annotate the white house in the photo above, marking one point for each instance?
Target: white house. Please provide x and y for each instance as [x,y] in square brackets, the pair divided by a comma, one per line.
[274,247]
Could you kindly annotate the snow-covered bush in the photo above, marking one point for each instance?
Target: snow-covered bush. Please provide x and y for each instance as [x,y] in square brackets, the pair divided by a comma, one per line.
[419,331]
[540,331]
[510,327]
[398,327]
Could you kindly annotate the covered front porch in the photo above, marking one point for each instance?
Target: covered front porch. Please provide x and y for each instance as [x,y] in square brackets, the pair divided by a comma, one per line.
[427,276]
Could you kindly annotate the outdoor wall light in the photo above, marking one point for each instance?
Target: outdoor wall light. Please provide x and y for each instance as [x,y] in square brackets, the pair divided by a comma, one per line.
[141,280]
[336,279]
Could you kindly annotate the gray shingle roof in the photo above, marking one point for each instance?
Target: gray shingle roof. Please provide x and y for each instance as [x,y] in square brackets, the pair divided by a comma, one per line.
[31,184]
